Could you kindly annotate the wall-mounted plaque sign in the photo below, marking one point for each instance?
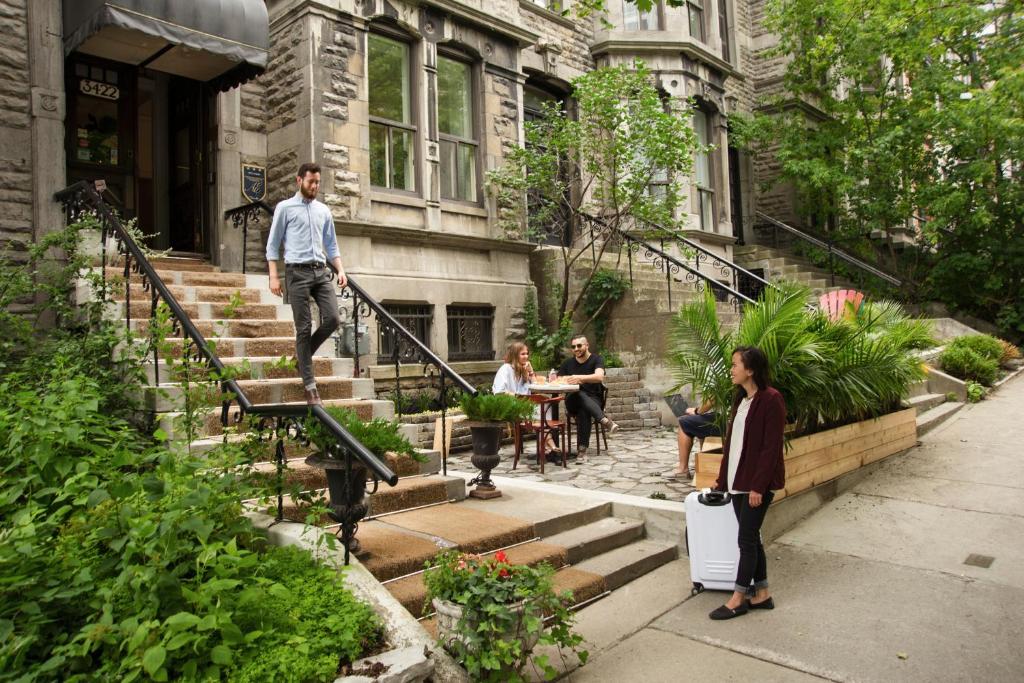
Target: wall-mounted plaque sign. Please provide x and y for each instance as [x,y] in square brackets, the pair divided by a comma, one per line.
[254,182]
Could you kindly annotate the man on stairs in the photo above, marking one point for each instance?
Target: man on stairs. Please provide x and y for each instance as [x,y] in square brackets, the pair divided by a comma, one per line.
[306,228]
[587,370]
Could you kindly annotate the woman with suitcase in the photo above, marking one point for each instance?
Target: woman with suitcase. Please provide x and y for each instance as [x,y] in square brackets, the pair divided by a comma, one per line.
[752,468]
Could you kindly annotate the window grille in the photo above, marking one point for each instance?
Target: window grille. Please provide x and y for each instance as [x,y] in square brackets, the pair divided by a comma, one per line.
[469,333]
[416,318]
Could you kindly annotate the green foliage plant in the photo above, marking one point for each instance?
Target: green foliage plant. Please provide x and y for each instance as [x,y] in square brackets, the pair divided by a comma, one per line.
[607,287]
[984,345]
[234,304]
[595,170]
[975,392]
[379,435]
[830,372]
[503,605]
[967,364]
[898,113]
[495,407]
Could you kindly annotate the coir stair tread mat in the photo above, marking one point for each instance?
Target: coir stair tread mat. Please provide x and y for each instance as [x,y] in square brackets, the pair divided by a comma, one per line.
[473,531]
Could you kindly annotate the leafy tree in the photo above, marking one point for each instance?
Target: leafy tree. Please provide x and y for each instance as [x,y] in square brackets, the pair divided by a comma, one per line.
[912,109]
[622,160]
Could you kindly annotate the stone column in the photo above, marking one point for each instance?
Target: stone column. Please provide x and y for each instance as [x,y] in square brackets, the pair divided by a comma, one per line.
[227,240]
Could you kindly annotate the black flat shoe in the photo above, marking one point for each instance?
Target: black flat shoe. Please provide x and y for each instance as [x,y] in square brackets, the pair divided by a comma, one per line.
[724,612]
[764,604]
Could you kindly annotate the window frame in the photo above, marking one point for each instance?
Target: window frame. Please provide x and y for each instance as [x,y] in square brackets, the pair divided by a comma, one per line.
[454,313]
[705,193]
[653,15]
[474,120]
[390,125]
[724,32]
[692,7]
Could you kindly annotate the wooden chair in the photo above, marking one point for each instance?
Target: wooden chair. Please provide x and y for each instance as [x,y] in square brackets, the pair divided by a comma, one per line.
[598,429]
[543,428]
[841,303]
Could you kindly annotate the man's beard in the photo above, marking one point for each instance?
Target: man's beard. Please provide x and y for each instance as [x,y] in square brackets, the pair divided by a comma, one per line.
[306,193]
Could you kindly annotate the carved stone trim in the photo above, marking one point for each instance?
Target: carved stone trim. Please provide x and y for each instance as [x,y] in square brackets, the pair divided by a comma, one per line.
[48,104]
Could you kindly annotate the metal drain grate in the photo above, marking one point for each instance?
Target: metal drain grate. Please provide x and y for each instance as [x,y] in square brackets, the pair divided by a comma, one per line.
[983,561]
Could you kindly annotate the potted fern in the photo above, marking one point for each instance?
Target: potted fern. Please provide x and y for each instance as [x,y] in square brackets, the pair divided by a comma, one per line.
[486,416]
[491,614]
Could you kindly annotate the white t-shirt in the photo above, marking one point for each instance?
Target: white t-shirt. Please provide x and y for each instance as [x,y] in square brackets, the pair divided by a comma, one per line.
[739,425]
[505,381]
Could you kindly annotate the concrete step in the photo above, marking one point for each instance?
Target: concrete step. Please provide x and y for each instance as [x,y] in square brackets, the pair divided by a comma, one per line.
[206,311]
[194,278]
[182,263]
[622,565]
[931,419]
[926,402]
[244,347]
[598,537]
[203,294]
[240,328]
[211,426]
[919,388]
[410,493]
[259,367]
[169,397]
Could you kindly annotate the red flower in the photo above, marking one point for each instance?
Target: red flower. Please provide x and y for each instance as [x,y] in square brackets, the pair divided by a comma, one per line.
[503,573]
[500,556]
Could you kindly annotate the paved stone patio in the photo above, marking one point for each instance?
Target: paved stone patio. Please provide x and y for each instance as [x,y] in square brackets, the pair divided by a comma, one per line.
[633,464]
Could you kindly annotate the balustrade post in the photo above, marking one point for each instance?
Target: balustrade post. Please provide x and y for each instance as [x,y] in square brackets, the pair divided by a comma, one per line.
[153,335]
[128,292]
[398,380]
[245,236]
[444,427]
[279,462]
[355,333]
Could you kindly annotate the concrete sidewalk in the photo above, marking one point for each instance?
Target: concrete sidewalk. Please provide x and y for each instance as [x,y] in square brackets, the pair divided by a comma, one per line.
[872,587]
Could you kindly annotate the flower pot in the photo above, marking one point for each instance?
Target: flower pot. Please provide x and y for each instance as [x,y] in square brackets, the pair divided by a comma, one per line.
[347,495]
[486,442]
[449,614]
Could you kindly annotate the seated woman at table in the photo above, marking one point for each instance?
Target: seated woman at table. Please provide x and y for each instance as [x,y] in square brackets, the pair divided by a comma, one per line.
[515,376]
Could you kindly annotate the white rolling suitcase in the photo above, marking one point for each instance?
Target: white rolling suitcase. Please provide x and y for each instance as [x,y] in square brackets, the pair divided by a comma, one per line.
[711,531]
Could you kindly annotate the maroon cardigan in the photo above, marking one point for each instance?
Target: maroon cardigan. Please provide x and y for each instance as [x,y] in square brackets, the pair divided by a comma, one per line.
[761,464]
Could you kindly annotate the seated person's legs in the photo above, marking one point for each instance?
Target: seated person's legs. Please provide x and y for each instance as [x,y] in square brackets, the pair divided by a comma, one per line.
[693,426]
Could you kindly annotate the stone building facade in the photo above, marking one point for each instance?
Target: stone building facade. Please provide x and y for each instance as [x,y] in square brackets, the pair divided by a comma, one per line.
[405,103]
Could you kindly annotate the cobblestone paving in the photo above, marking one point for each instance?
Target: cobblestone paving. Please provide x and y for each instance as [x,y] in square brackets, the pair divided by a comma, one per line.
[633,464]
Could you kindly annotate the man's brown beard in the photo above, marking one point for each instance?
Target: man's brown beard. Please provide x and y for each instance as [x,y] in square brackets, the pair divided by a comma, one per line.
[304,193]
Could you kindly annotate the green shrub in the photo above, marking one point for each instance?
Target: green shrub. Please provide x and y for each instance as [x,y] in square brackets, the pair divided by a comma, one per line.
[984,345]
[975,392]
[379,435]
[495,407]
[965,363]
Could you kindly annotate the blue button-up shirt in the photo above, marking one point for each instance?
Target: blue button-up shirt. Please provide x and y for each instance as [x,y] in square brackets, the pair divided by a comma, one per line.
[306,228]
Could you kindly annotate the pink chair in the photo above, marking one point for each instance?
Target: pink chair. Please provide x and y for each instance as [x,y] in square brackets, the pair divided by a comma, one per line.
[842,303]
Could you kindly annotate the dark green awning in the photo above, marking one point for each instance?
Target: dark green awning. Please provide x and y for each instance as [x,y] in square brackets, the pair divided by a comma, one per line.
[224,42]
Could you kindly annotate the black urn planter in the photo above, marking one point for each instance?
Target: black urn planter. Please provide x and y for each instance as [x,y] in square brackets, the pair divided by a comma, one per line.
[486,438]
[347,489]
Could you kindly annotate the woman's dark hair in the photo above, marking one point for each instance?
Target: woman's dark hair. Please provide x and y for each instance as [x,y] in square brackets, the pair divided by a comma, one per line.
[754,360]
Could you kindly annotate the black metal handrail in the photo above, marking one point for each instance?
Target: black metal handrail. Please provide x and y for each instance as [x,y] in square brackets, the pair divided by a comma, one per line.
[241,215]
[831,250]
[82,197]
[718,261]
[667,263]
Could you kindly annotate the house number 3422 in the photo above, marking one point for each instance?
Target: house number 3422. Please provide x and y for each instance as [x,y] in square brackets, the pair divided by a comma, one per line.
[97,89]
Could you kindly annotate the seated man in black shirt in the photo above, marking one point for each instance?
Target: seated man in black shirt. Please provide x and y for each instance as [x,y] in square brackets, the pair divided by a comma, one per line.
[587,370]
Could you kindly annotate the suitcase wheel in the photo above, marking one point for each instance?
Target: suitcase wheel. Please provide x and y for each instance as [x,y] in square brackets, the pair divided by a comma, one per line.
[697,588]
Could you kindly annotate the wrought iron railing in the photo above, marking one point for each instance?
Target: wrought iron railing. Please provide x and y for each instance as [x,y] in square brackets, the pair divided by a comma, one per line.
[861,268]
[287,419]
[241,216]
[740,278]
[674,268]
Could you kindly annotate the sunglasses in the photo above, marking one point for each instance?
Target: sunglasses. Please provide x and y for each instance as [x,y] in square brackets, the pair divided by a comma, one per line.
[578,346]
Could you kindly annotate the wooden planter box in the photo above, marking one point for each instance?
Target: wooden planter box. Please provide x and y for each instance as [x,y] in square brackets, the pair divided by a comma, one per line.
[818,458]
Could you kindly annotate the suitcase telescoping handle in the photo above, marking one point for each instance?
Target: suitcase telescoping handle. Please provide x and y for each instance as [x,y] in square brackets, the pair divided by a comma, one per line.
[714,498]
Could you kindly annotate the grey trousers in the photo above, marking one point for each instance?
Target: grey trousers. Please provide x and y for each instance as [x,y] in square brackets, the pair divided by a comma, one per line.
[304,282]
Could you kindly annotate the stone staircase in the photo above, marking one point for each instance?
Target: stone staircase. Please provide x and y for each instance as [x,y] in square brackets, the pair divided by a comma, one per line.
[782,265]
[593,550]
[937,398]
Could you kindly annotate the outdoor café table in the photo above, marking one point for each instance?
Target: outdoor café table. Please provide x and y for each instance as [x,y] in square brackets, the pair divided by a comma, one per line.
[558,392]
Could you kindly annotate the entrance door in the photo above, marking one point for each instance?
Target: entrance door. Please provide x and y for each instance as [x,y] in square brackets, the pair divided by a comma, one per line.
[186,141]
[100,129]
[735,195]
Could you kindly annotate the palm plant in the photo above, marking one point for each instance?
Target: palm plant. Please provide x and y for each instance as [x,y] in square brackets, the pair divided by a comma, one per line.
[829,371]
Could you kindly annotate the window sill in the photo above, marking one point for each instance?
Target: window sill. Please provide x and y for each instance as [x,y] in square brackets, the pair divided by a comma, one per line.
[464,208]
[620,42]
[398,197]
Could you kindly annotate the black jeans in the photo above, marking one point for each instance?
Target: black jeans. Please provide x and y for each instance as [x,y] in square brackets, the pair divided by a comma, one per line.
[583,407]
[304,282]
[753,567]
